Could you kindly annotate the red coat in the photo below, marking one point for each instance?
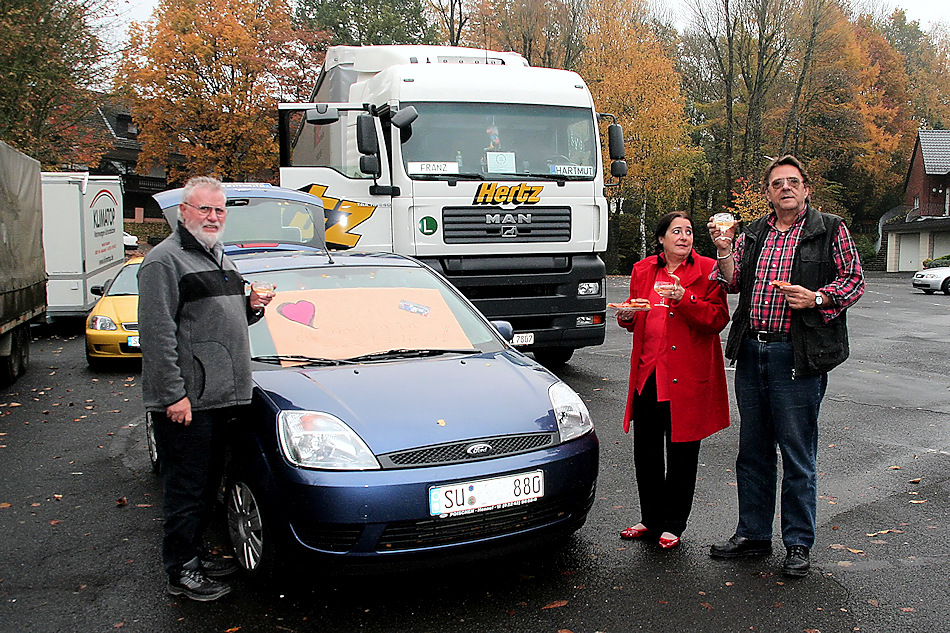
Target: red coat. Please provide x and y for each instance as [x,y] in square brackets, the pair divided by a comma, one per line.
[699,400]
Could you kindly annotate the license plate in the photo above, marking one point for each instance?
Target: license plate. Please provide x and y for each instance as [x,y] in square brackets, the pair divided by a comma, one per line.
[133,341]
[523,338]
[486,494]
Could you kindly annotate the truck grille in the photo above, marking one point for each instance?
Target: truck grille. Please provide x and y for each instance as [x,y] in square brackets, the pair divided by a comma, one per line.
[493,225]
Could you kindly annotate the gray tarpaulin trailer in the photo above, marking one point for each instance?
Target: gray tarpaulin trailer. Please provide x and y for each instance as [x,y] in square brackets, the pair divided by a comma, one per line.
[22,268]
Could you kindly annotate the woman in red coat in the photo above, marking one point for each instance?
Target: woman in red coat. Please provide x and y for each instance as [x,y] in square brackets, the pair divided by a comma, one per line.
[677,393]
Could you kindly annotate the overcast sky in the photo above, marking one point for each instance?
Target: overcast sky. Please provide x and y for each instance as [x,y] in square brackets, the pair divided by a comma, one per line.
[928,12]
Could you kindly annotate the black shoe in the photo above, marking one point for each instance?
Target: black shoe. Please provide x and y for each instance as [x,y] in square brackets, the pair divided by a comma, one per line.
[193,583]
[218,567]
[796,562]
[740,546]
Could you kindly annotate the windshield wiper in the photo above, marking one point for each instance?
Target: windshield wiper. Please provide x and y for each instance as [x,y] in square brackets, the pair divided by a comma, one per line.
[409,353]
[276,359]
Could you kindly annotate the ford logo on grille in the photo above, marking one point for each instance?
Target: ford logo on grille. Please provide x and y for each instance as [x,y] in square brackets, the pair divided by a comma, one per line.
[478,449]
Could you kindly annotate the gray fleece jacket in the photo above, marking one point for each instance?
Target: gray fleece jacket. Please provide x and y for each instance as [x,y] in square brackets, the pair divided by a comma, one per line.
[193,318]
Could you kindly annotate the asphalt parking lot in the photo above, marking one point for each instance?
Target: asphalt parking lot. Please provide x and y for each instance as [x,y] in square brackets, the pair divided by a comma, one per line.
[80,513]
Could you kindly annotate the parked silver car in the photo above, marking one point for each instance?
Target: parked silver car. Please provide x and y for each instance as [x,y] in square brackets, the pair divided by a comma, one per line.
[930,280]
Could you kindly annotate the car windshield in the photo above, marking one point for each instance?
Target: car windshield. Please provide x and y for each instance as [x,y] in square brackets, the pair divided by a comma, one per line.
[364,313]
[126,282]
[271,220]
[485,140]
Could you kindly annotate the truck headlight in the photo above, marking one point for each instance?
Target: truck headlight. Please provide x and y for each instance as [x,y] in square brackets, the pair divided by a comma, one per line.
[573,418]
[102,323]
[588,288]
[313,439]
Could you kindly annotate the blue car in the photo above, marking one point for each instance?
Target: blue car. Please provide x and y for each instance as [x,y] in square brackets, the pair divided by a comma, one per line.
[391,423]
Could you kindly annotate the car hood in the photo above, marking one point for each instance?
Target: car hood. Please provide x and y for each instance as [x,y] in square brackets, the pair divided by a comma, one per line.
[397,405]
[120,308]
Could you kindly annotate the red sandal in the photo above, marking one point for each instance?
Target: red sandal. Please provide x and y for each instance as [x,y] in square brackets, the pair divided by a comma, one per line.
[637,531]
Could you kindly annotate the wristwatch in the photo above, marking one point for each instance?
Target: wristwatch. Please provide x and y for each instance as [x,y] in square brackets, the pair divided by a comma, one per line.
[819,300]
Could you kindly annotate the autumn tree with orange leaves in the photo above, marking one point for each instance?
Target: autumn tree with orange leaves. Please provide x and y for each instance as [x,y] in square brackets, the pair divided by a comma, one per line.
[204,77]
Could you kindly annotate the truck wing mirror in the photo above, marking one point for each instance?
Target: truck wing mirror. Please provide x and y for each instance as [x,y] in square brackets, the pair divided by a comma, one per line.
[366,141]
[618,168]
[322,114]
[369,165]
[615,142]
[404,117]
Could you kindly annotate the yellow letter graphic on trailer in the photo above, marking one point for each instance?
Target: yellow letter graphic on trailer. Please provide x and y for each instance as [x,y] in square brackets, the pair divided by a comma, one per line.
[342,217]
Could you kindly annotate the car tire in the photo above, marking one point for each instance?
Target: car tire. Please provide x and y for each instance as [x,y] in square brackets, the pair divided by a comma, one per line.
[946,286]
[251,535]
[553,357]
[153,456]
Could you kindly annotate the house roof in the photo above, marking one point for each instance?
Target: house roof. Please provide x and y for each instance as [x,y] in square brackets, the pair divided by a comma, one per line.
[935,150]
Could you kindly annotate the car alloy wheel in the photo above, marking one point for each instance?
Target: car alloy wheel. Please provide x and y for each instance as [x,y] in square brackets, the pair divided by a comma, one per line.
[153,455]
[246,526]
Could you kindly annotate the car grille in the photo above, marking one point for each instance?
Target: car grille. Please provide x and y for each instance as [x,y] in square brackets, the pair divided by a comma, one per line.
[132,326]
[331,537]
[456,452]
[485,225]
[472,527]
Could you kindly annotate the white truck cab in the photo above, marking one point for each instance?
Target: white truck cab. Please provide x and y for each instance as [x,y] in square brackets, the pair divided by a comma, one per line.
[485,168]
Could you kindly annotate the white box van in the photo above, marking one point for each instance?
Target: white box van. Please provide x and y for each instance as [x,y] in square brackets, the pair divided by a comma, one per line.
[82,238]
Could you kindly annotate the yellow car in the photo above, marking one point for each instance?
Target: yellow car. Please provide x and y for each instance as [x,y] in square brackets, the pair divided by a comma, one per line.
[112,327]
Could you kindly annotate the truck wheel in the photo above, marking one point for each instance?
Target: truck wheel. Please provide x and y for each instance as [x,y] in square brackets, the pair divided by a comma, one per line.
[553,357]
[16,363]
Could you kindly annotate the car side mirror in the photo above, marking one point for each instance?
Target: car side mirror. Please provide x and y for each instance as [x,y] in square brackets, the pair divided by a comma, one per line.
[97,290]
[504,329]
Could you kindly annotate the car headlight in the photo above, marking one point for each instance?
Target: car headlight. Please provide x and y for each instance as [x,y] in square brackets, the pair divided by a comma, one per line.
[313,439]
[573,418]
[102,323]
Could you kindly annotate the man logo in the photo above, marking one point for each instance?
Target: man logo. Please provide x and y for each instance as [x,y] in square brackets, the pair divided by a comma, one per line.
[477,450]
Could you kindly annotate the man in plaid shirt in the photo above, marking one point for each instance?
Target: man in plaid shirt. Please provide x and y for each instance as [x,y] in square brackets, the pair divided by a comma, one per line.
[796,271]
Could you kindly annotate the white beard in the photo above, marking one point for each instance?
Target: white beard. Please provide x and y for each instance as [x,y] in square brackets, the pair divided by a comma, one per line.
[208,239]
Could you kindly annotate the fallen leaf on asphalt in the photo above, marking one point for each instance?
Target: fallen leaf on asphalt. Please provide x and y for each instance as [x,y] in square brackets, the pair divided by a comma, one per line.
[874,603]
[893,467]
[233,630]
[845,563]
[121,501]
[564,631]
[143,505]
[914,481]
[118,625]
[886,532]
[856,551]
[812,631]
[706,606]
[555,604]
[836,546]
[54,522]
[5,505]
[907,609]
[918,501]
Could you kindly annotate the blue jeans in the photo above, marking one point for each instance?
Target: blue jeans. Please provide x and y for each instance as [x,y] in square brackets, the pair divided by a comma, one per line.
[775,409]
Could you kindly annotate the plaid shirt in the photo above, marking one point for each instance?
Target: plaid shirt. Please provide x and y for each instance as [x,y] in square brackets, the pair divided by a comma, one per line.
[769,312]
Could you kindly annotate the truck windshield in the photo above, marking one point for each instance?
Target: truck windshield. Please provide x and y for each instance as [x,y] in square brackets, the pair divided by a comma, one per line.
[489,140]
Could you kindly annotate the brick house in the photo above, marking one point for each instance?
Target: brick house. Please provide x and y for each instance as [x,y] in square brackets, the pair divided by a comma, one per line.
[924,232]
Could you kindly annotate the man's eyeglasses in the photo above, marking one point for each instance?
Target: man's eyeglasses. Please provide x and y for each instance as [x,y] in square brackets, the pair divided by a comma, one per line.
[206,210]
[792,181]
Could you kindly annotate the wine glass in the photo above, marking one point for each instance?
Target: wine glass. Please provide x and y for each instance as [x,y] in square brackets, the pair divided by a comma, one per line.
[723,222]
[263,288]
[664,287]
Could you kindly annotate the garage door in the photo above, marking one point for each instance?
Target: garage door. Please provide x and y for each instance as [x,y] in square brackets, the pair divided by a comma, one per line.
[909,253]
[941,244]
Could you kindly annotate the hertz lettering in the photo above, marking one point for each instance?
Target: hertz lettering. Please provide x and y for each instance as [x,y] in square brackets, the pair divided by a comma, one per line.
[493,193]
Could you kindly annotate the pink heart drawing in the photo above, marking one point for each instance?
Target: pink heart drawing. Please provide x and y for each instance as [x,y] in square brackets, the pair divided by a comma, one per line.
[301,312]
